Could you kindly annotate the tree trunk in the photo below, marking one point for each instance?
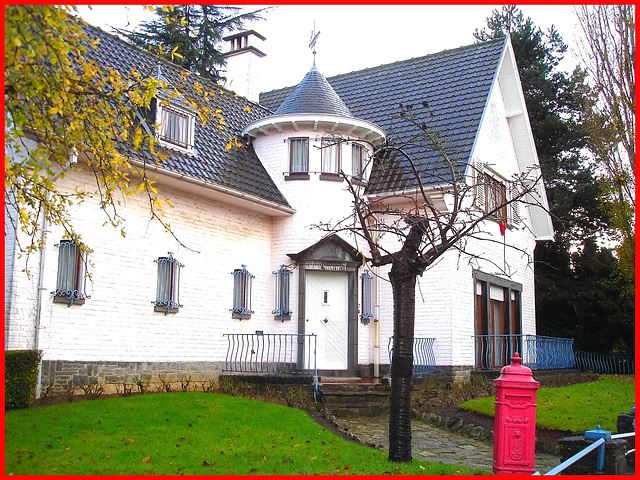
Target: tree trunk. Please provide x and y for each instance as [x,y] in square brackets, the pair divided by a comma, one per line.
[403,283]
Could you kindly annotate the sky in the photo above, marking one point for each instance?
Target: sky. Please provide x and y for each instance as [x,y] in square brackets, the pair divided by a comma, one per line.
[353,37]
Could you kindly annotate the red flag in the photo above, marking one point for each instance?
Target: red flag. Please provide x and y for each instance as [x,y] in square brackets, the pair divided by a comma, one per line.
[503,227]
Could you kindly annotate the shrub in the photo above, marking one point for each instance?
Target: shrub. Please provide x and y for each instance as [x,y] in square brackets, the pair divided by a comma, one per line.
[20,378]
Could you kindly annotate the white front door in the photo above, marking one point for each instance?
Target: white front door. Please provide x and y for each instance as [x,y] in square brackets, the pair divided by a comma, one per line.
[327,314]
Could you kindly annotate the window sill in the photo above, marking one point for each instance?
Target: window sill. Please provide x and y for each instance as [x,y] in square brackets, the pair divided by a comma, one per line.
[164,310]
[331,177]
[176,147]
[68,301]
[296,176]
[359,181]
[283,317]
[239,316]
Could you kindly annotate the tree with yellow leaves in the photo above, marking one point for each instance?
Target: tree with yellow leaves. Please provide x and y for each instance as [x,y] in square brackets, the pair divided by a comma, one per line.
[66,111]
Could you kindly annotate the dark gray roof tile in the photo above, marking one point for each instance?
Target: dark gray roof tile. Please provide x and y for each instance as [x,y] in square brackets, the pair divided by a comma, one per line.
[238,169]
[455,85]
[314,95]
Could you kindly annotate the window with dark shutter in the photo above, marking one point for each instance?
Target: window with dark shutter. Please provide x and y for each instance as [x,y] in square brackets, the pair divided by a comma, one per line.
[167,293]
[72,273]
[366,313]
[281,310]
[242,280]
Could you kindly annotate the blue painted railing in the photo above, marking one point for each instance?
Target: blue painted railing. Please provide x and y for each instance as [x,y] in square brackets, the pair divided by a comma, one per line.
[538,352]
[424,360]
[606,364]
[597,444]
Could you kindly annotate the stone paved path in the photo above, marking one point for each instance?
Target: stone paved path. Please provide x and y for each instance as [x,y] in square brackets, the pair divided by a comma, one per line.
[434,444]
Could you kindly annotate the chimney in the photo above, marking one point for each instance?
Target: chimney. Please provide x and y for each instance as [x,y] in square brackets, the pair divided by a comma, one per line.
[241,56]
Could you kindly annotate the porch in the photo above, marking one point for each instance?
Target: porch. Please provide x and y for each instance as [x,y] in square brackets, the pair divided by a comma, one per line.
[538,352]
[278,354]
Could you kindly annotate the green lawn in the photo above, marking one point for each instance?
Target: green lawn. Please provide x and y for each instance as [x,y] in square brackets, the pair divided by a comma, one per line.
[187,433]
[578,407]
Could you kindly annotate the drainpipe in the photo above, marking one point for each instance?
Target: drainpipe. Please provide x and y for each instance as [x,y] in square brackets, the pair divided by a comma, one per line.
[39,302]
[73,159]
[376,324]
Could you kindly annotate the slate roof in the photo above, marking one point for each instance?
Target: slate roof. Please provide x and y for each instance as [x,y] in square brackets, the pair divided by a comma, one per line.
[447,90]
[238,169]
[314,95]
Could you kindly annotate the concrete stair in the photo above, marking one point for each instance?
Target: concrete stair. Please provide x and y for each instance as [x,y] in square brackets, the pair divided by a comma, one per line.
[354,397]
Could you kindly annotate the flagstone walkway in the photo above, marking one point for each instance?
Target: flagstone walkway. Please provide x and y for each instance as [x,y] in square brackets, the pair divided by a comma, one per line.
[434,444]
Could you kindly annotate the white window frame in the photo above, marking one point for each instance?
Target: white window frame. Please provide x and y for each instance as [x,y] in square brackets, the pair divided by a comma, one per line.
[330,154]
[358,155]
[299,155]
[186,144]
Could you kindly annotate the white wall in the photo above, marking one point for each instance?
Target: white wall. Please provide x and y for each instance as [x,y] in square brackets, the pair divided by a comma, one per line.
[118,322]
[445,294]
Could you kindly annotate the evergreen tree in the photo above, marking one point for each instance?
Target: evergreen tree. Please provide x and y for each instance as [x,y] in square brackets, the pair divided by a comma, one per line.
[190,35]
[555,102]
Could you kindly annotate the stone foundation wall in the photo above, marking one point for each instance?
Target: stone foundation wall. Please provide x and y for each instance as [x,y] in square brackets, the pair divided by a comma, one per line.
[454,374]
[56,374]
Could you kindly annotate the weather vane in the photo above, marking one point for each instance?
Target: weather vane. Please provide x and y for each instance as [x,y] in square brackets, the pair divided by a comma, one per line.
[312,41]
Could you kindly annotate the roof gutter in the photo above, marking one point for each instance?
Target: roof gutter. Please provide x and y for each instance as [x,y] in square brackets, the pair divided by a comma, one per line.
[272,207]
[414,191]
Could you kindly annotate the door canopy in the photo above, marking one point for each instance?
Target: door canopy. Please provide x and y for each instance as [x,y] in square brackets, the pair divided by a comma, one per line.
[331,249]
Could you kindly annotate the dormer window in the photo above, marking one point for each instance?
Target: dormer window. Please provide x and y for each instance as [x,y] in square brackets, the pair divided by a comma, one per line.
[176,128]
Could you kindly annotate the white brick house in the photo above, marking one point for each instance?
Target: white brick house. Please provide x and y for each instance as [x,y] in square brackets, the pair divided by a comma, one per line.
[244,214]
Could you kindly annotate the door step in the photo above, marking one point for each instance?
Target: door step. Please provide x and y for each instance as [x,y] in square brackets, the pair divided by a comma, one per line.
[354,397]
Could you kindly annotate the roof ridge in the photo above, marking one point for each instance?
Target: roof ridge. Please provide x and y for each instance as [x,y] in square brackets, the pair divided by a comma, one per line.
[412,59]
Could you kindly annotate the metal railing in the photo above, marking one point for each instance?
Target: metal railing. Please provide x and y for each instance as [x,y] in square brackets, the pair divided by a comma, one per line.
[599,444]
[424,360]
[272,353]
[282,353]
[538,352]
[606,364]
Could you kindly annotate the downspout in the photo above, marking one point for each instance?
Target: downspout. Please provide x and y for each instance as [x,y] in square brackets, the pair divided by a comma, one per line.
[39,302]
[73,159]
[376,324]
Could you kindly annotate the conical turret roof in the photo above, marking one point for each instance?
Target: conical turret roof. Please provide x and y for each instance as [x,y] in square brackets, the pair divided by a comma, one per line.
[314,94]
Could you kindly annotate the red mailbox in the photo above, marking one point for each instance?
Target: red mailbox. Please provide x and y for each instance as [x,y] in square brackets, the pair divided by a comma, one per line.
[514,434]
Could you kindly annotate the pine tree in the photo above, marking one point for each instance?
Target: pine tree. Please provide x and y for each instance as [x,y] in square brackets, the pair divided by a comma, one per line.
[555,102]
[190,35]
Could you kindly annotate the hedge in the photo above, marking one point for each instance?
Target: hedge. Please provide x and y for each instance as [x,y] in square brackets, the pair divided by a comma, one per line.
[20,378]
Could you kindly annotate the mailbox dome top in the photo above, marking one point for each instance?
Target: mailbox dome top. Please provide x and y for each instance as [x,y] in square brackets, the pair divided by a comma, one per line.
[516,368]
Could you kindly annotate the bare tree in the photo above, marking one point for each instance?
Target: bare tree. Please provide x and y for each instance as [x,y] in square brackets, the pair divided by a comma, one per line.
[609,52]
[410,231]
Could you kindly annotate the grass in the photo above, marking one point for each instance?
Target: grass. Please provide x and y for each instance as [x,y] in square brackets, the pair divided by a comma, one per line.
[187,434]
[577,407]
